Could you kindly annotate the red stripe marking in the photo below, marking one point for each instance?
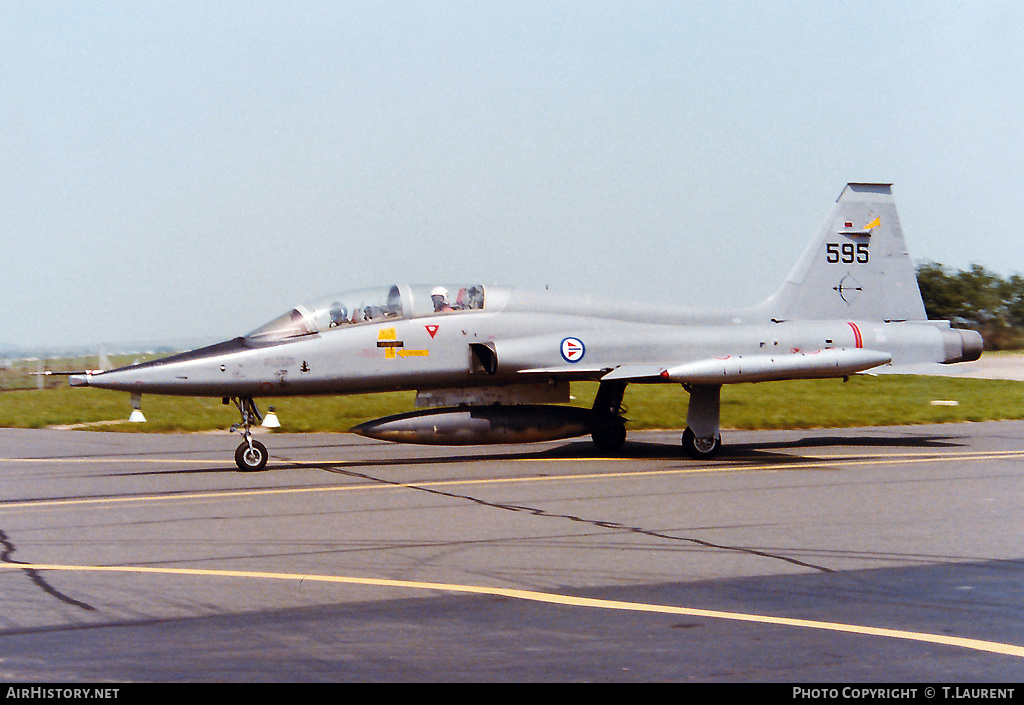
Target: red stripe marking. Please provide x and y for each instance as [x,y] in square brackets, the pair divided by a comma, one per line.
[857,339]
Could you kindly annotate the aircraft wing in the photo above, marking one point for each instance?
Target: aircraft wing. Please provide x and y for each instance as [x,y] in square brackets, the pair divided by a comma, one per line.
[572,372]
[636,373]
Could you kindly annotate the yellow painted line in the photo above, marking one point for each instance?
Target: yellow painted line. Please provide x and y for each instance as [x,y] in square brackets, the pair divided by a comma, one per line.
[109,460]
[213,494]
[904,453]
[552,598]
[637,474]
[938,454]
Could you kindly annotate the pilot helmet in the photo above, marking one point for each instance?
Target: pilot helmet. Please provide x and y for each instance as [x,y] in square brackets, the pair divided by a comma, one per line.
[439,291]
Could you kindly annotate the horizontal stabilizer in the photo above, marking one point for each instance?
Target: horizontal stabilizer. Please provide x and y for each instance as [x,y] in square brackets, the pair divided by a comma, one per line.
[1008,368]
[732,369]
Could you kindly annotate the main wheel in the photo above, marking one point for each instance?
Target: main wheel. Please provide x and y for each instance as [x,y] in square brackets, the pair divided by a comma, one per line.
[251,458]
[609,434]
[701,448]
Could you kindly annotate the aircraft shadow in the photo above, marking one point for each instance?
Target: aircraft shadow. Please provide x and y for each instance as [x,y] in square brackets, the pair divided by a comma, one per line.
[765,452]
[654,450]
[847,442]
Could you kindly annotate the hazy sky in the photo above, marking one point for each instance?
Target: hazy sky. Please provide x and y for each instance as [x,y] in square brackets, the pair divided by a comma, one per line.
[178,170]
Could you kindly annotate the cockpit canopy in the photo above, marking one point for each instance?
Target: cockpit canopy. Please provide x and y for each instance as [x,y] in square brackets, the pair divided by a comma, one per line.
[369,306]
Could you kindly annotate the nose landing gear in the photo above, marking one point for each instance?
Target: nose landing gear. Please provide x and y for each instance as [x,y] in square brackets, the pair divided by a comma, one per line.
[251,455]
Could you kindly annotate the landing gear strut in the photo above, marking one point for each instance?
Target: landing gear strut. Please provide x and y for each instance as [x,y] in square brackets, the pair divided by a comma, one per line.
[608,427]
[251,455]
[701,439]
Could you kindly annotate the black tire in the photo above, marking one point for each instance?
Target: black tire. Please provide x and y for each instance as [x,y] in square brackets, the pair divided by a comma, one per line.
[609,434]
[251,460]
[700,449]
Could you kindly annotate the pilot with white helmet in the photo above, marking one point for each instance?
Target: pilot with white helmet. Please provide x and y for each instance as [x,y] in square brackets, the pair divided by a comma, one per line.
[440,298]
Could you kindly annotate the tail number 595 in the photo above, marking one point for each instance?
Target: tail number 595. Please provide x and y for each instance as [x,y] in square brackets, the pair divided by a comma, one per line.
[847,253]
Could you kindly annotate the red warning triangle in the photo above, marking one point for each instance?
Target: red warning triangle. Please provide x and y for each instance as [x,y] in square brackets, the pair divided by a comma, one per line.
[432,329]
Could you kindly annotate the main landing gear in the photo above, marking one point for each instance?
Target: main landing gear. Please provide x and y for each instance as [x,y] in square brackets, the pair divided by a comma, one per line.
[608,428]
[701,448]
[251,455]
[701,439]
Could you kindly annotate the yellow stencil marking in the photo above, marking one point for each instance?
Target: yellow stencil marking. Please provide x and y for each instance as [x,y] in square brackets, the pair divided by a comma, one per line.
[387,338]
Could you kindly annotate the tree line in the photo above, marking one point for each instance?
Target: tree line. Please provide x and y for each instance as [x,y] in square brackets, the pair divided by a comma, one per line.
[978,299]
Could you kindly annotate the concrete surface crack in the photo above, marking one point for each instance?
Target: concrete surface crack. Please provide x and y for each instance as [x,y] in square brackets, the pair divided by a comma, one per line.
[35,576]
[593,522]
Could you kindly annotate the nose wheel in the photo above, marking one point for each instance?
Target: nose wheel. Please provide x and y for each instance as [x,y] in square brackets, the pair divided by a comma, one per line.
[251,455]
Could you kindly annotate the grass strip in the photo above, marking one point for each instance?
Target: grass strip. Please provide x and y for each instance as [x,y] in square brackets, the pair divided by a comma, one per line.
[862,401]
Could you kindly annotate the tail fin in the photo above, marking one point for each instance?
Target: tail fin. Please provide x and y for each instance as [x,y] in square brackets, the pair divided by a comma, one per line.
[856,268]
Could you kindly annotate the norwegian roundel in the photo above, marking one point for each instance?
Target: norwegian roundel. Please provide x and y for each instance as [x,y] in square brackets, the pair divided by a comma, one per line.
[573,349]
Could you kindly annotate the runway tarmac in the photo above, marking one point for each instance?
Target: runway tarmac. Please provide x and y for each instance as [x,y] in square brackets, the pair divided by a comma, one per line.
[856,555]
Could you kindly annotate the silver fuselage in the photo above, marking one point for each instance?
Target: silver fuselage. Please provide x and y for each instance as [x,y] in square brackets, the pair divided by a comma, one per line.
[521,334]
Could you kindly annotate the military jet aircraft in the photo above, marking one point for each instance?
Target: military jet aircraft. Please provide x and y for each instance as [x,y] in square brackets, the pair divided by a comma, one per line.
[492,364]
